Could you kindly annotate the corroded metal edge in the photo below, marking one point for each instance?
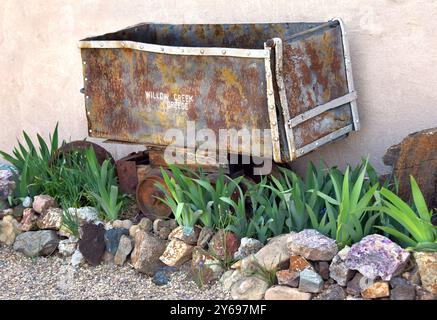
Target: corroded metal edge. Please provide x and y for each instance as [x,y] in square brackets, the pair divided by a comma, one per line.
[349,76]
[325,139]
[189,51]
[283,97]
[271,106]
[347,98]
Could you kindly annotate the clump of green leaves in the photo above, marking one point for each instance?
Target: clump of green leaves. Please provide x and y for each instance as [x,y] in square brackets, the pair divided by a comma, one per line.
[193,197]
[74,179]
[31,163]
[347,219]
[418,232]
[102,186]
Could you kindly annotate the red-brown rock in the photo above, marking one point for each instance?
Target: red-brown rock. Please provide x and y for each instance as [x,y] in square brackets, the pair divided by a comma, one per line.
[224,244]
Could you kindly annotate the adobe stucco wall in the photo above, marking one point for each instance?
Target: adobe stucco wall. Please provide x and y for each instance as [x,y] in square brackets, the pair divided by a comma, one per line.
[393,45]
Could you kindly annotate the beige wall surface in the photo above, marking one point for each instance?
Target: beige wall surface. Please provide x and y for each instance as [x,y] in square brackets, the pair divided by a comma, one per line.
[393,47]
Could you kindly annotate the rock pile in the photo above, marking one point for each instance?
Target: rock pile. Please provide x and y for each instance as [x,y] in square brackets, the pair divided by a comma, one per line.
[294,266]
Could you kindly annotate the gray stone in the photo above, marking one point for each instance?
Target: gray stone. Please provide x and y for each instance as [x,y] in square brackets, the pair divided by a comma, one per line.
[249,288]
[205,236]
[9,229]
[397,281]
[179,233]
[229,278]
[68,246]
[7,185]
[112,238]
[340,272]
[160,278]
[288,278]
[247,247]
[322,268]
[146,224]
[125,247]
[334,292]
[148,249]
[158,224]
[27,202]
[273,256]
[77,258]
[310,281]
[36,243]
[403,292]
[286,293]
[85,214]
[312,245]
[164,233]
[205,268]
[377,256]
[357,284]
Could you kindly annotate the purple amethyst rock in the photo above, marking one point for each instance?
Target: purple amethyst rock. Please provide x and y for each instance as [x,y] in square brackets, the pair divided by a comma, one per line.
[376,255]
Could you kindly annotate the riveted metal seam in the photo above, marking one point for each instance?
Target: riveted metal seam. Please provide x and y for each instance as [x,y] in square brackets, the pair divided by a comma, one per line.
[283,97]
[338,102]
[349,75]
[189,51]
[271,106]
[323,140]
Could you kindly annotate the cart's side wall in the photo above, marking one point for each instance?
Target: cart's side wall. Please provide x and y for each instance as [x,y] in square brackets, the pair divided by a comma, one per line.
[392,42]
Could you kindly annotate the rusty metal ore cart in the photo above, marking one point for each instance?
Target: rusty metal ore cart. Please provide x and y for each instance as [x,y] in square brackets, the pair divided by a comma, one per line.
[292,78]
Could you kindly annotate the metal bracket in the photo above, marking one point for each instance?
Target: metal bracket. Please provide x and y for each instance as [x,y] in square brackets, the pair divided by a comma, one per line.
[189,51]
[349,76]
[325,139]
[271,107]
[347,98]
[277,44]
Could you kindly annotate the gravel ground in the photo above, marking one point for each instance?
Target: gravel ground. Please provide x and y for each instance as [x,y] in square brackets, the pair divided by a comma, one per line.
[54,278]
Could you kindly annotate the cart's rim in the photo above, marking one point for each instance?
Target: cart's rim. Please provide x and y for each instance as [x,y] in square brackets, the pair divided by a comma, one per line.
[175,50]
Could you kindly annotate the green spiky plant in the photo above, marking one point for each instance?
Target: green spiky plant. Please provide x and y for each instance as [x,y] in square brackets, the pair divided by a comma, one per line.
[103,187]
[31,161]
[417,233]
[347,219]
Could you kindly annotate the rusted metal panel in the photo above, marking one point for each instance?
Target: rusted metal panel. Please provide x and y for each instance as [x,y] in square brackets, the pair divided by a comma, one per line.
[137,96]
[127,170]
[314,74]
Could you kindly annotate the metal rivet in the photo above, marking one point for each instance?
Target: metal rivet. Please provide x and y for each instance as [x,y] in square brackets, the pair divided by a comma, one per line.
[301,151]
[90,130]
[87,97]
[270,92]
[202,51]
[162,49]
[86,79]
[223,51]
[141,47]
[84,62]
[273,123]
[101,44]
[88,113]
[276,139]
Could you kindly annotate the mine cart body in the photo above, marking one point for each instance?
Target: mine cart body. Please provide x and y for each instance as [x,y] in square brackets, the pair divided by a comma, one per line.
[292,78]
